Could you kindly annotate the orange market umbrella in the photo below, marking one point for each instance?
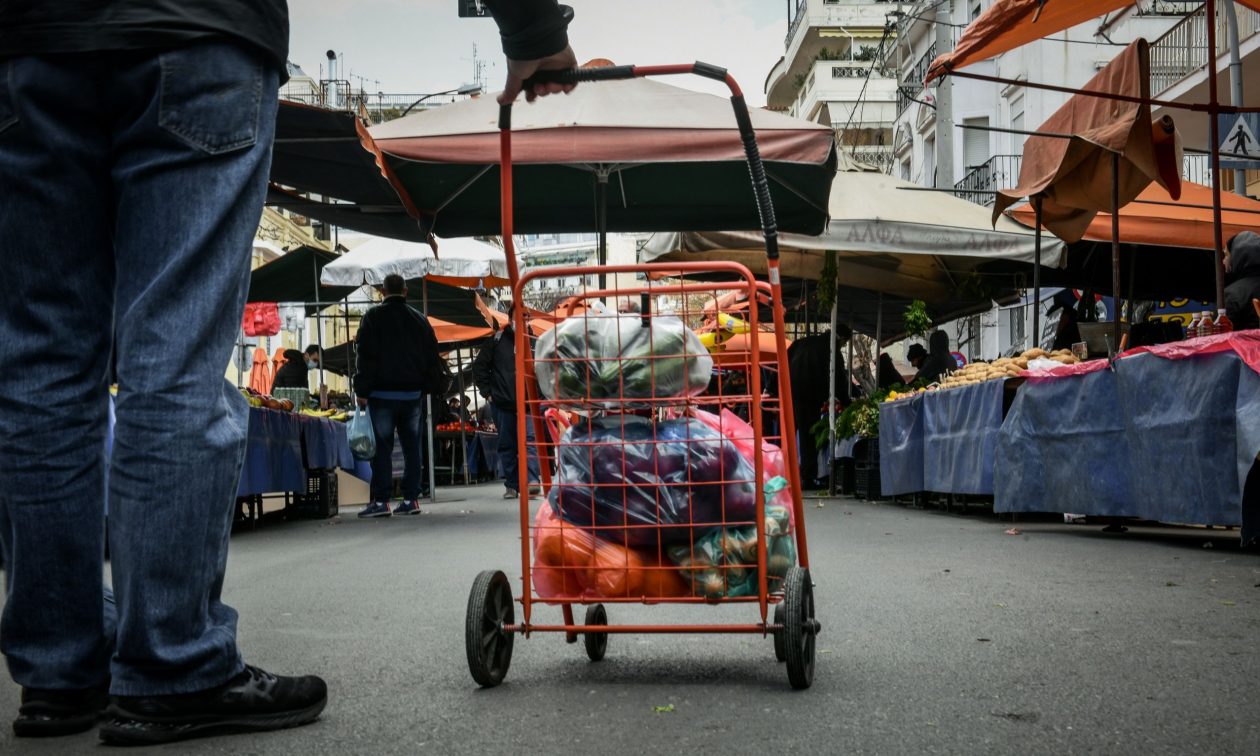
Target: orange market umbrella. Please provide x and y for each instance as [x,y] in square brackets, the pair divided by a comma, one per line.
[277,360]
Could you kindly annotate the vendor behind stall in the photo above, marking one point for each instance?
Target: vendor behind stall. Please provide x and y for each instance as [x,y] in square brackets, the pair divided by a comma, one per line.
[292,374]
[808,368]
[1244,280]
[938,359]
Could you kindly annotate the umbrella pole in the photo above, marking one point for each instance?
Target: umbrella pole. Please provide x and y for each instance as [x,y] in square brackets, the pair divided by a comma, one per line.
[1036,328]
[601,220]
[831,402]
[428,405]
[1115,250]
[463,437]
[1214,143]
[848,390]
[879,323]
[319,339]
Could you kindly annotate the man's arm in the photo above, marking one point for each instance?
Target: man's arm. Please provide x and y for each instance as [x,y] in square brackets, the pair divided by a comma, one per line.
[365,366]
[483,370]
[535,37]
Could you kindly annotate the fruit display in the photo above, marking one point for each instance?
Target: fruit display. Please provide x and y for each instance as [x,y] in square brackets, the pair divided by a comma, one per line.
[1003,368]
[467,427]
[256,399]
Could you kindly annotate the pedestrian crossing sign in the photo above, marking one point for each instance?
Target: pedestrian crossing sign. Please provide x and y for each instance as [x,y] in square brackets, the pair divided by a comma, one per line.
[1238,147]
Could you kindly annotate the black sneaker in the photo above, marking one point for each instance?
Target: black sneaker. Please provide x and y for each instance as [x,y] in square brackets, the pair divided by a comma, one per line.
[49,713]
[253,701]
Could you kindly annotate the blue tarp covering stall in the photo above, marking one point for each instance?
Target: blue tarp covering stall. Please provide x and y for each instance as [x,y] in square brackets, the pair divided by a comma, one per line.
[960,437]
[1159,439]
[901,446]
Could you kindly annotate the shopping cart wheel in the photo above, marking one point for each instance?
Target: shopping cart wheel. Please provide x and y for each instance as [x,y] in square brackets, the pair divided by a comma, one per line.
[780,650]
[799,627]
[596,643]
[489,647]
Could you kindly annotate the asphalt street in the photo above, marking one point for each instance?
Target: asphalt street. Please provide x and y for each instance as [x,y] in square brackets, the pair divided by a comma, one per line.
[941,634]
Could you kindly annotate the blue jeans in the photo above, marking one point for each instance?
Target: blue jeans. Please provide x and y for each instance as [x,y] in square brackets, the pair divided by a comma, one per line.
[407,418]
[131,186]
[509,456]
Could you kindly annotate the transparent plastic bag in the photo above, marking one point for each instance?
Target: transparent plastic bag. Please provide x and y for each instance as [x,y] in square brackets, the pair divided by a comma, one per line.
[601,356]
[643,483]
[723,563]
[361,435]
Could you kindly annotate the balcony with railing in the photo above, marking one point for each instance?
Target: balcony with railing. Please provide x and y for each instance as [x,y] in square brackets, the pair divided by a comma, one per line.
[911,84]
[1182,50]
[1002,172]
[998,172]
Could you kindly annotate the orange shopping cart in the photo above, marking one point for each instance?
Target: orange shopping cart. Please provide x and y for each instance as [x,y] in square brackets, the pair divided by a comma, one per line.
[668,463]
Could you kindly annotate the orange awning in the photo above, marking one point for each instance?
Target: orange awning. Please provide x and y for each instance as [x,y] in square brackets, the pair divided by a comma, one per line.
[453,333]
[738,348]
[1175,223]
[1008,24]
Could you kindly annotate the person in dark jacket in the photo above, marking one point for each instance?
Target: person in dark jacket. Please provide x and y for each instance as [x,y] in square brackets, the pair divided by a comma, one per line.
[888,375]
[916,355]
[146,127]
[939,360]
[397,353]
[1244,280]
[808,369]
[292,374]
[494,372]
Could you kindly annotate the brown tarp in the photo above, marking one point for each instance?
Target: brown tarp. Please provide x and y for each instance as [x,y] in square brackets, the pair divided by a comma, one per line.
[1073,175]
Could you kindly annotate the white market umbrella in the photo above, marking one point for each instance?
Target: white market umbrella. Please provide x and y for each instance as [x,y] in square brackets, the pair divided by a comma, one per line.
[458,262]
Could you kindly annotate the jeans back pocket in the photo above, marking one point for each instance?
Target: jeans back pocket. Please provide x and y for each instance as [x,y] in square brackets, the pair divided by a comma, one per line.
[8,110]
[211,96]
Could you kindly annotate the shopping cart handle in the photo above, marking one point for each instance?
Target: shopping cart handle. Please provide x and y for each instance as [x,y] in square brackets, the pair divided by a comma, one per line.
[579,75]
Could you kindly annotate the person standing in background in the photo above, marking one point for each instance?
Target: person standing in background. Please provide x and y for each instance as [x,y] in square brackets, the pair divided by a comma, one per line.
[397,351]
[494,372]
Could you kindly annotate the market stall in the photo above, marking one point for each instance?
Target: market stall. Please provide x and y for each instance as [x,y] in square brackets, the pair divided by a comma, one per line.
[1170,433]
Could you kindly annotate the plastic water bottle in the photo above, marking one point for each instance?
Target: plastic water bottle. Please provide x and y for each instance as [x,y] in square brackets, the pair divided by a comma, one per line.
[1223,324]
[1205,323]
[1192,328]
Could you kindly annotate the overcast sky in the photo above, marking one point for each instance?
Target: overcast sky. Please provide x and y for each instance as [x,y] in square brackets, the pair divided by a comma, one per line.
[422,46]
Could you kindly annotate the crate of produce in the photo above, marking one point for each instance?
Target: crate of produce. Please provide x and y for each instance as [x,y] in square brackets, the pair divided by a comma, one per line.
[319,500]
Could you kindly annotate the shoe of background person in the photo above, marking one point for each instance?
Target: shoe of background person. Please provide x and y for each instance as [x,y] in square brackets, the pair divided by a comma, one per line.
[425,494]
[408,508]
[49,713]
[253,701]
[375,509]
[511,493]
[535,490]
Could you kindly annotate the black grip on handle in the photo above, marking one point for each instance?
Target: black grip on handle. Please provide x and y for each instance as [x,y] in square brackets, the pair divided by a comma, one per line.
[757,171]
[579,75]
[709,71]
[505,117]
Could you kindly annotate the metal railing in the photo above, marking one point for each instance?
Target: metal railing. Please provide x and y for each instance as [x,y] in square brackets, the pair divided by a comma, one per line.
[1002,172]
[1182,50]
[376,107]
[998,172]
[912,84]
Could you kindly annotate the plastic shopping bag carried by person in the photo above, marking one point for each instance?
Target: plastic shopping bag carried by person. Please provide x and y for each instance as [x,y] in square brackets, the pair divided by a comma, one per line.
[361,436]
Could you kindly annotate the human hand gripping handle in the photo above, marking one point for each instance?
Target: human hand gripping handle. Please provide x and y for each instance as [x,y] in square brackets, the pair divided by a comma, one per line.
[520,71]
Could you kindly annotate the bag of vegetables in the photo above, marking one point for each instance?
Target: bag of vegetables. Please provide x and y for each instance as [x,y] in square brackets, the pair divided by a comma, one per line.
[569,562]
[723,563]
[600,356]
[620,474]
